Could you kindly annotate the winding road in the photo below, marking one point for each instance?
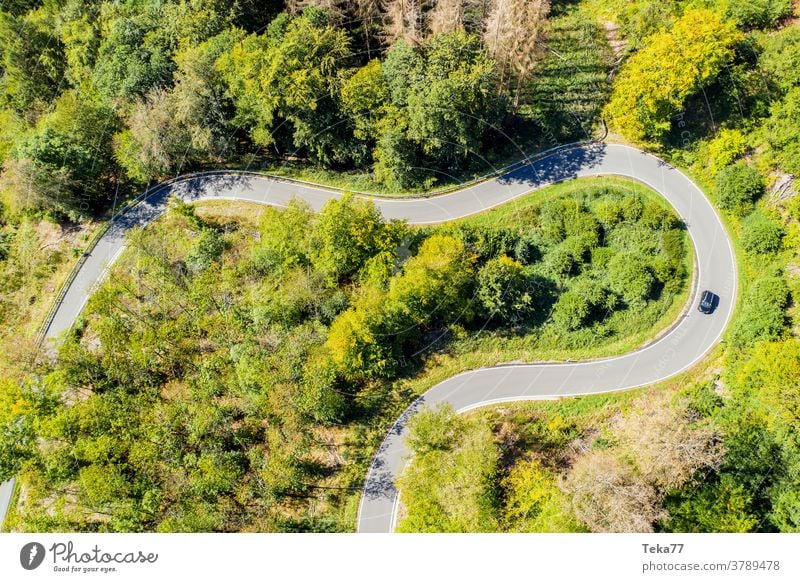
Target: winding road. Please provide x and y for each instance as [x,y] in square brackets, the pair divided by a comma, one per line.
[687,341]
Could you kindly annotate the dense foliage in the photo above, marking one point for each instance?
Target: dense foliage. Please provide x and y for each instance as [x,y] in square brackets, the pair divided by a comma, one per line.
[223,384]
[726,108]
[673,65]
[535,472]
[99,98]
[217,382]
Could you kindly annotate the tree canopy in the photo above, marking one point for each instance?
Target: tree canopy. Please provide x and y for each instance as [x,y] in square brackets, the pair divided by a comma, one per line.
[673,64]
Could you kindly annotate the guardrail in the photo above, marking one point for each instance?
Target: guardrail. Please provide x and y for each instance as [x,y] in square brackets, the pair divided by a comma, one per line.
[65,285]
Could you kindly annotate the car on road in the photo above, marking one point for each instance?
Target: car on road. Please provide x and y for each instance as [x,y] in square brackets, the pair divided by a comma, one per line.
[708,302]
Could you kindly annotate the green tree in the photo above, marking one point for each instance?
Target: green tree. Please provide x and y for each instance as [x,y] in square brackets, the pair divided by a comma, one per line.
[369,338]
[786,508]
[358,339]
[285,237]
[770,375]
[761,234]
[364,97]
[738,187]
[780,132]
[433,286]
[503,289]
[721,507]
[435,429]
[32,59]
[169,131]
[398,159]
[291,73]
[442,104]
[206,249]
[672,66]
[134,55]
[22,407]
[65,162]
[453,106]
[347,233]
[780,58]
[468,465]
[534,503]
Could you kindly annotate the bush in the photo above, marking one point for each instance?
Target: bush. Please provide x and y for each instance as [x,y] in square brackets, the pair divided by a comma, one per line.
[608,211]
[206,249]
[577,303]
[763,317]
[503,289]
[728,145]
[738,186]
[571,310]
[724,506]
[786,508]
[629,275]
[781,57]
[526,251]
[761,234]
[758,13]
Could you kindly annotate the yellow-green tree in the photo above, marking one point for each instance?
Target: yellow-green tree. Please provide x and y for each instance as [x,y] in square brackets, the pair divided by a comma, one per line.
[673,65]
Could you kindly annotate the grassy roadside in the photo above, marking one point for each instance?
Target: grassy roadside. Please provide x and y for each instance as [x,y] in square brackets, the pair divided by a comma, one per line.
[12,517]
[34,271]
[364,183]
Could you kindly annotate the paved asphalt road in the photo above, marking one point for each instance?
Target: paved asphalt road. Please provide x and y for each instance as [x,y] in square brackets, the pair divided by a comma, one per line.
[686,343]
[6,491]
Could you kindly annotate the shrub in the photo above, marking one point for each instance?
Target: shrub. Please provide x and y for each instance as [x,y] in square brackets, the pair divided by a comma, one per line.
[728,145]
[608,211]
[724,506]
[577,303]
[786,508]
[526,251]
[571,310]
[629,275]
[758,13]
[655,216]
[761,234]
[763,317]
[206,249]
[503,289]
[284,239]
[738,186]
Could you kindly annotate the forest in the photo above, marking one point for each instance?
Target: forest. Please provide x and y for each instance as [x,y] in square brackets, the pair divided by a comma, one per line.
[241,366]
[232,376]
[100,98]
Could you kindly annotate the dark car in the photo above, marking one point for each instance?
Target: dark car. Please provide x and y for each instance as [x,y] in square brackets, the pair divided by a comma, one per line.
[708,302]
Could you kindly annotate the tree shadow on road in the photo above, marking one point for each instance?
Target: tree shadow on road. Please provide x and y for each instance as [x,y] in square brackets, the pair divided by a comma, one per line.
[558,167]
